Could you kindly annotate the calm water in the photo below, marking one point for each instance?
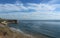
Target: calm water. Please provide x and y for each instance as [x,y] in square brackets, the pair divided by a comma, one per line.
[50,28]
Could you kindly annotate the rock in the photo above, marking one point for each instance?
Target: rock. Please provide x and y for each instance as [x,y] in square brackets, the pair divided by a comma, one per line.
[6,32]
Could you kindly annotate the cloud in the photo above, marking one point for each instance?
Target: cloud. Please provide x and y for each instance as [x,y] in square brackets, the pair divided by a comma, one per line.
[39,11]
[45,1]
[54,2]
[11,7]
[20,7]
[41,7]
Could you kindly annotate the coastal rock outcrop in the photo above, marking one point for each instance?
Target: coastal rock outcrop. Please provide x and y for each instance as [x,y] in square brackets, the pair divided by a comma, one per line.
[6,32]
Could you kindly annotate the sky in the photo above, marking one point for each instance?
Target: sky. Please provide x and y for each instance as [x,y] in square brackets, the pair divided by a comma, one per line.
[30,9]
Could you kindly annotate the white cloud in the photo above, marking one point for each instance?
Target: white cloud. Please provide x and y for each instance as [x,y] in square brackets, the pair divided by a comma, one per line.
[54,2]
[20,7]
[11,7]
[42,11]
[42,7]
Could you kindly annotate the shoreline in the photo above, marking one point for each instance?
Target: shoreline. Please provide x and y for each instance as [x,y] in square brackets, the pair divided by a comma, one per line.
[12,32]
[17,33]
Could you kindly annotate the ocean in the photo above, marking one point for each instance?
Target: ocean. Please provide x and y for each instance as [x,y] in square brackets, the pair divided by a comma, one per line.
[49,28]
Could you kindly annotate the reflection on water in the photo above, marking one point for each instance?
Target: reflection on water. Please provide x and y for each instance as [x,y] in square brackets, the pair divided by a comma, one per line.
[49,28]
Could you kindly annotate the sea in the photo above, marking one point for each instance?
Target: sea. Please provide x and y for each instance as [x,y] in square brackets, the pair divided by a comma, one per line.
[49,28]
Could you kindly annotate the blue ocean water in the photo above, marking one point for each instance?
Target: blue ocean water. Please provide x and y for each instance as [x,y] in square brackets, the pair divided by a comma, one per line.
[46,27]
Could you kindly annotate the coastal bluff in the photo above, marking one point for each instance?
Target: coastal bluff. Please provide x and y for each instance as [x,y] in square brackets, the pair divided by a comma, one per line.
[9,32]
[6,32]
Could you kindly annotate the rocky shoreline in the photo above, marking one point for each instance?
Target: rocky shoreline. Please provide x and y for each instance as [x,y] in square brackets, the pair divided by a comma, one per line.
[10,32]
[6,32]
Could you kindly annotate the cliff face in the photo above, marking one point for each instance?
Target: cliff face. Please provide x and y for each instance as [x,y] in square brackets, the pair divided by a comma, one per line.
[6,32]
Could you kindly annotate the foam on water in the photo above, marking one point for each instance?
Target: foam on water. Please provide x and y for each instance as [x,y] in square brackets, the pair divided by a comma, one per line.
[36,27]
[14,29]
[18,30]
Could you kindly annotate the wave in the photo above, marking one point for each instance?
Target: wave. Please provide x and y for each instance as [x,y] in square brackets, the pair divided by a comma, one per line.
[18,30]
[15,29]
